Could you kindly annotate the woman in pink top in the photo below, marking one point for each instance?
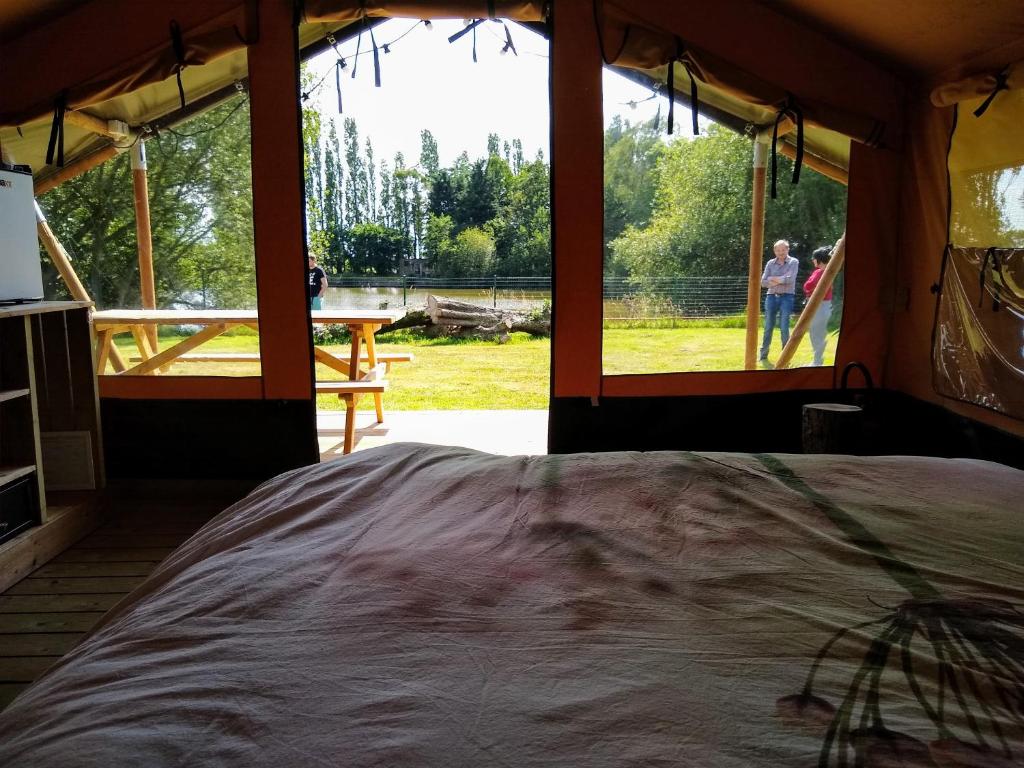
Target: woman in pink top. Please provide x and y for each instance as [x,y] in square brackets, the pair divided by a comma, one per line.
[819,324]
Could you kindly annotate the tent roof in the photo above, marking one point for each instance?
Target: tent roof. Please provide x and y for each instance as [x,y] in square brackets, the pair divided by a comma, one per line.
[17,16]
[154,105]
[918,38]
[925,38]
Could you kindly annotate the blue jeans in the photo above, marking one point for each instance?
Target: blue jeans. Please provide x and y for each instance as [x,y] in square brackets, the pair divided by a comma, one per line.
[818,331]
[780,304]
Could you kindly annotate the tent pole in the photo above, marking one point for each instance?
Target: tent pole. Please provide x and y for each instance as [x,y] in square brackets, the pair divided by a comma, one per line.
[756,248]
[144,234]
[811,308]
[60,258]
[76,168]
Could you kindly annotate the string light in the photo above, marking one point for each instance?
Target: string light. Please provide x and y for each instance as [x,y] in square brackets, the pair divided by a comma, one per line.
[343,61]
[634,103]
[468,24]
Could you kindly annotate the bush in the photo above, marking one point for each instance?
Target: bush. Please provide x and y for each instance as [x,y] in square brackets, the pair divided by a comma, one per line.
[331,334]
[541,314]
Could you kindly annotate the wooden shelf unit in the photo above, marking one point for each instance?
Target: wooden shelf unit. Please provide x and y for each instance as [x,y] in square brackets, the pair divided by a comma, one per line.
[47,384]
[13,394]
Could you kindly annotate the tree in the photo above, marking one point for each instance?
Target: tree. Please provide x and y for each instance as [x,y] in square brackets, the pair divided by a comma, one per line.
[441,199]
[700,224]
[469,254]
[522,230]
[429,160]
[437,242]
[201,211]
[332,213]
[631,154]
[375,249]
[355,182]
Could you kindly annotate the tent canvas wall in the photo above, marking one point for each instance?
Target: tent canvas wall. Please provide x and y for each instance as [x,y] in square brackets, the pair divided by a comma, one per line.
[865,70]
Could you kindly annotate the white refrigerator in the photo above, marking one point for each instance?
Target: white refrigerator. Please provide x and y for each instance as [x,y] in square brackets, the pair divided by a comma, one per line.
[21,274]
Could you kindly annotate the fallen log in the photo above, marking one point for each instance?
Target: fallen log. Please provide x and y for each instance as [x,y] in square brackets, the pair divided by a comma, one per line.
[412,319]
[444,311]
[450,317]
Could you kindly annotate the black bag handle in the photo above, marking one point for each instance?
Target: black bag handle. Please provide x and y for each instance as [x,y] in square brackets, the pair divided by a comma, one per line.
[868,381]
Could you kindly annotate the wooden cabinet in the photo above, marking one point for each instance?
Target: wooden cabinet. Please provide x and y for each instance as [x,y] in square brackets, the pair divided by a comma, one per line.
[49,425]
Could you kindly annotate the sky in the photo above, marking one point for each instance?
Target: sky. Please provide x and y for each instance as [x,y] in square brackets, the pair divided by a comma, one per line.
[426,82]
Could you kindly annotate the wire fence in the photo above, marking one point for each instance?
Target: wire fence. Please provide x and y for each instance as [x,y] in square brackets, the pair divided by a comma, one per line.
[624,298]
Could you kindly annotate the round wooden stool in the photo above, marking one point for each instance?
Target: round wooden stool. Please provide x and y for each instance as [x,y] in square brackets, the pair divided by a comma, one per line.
[832,428]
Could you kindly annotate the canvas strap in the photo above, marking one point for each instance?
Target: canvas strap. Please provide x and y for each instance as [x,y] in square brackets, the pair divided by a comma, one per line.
[56,144]
[1001,85]
[792,108]
[178,46]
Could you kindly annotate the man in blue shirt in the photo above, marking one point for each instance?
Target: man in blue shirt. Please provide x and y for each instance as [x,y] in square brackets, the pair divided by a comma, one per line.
[779,278]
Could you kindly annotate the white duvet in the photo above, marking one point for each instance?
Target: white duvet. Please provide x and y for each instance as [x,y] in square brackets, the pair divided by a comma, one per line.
[424,606]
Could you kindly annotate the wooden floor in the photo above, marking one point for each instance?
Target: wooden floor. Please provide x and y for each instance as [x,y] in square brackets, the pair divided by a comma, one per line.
[44,615]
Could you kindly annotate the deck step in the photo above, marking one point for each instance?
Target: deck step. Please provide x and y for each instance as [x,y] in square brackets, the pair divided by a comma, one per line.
[352,387]
[250,357]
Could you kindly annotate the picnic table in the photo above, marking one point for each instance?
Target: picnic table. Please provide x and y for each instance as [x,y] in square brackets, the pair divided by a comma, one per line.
[142,323]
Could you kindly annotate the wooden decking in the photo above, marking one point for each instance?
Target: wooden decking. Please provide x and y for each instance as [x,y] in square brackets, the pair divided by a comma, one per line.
[44,615]
[508,432]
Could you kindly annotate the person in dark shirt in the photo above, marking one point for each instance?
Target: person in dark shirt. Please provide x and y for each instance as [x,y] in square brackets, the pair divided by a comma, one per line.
[317,284]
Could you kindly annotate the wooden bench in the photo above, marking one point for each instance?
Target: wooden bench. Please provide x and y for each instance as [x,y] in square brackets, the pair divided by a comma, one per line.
[249,357]
[349,391]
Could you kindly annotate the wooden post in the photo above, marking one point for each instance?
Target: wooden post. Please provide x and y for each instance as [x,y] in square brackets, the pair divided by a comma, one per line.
[756,249]
[813,303]
[112,129]
[76,168]
[60,258]
[144,234]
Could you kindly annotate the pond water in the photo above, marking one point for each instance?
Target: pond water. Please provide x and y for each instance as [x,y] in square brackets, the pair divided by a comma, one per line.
[391,298]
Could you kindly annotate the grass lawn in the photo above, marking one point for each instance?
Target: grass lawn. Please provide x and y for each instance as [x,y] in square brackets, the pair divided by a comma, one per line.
[666,350]
[472,375]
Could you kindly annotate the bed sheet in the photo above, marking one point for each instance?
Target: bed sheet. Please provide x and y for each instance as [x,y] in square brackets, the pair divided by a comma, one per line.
[419,605]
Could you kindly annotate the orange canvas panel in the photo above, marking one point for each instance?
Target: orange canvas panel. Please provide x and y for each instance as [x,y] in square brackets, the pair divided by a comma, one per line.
[108,47]
[286,345]
[181,387]
[577,202]
[351,10]
[872,252]
[923,234]
[924,202]
[715,382]
[922,36]
[628,43]
[782,52]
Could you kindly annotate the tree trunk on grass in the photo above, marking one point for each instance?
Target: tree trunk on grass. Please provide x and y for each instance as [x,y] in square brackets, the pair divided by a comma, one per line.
[471,320]
[413,318]
[448,317]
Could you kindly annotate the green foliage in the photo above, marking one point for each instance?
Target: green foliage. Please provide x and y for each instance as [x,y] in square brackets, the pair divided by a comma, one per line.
[468,254]
[500,198]
[701,219]
[200,208]
[631,153]
[373,249]
[541,314]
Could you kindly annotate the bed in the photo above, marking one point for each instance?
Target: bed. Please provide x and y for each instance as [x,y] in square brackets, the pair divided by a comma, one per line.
[419,605]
